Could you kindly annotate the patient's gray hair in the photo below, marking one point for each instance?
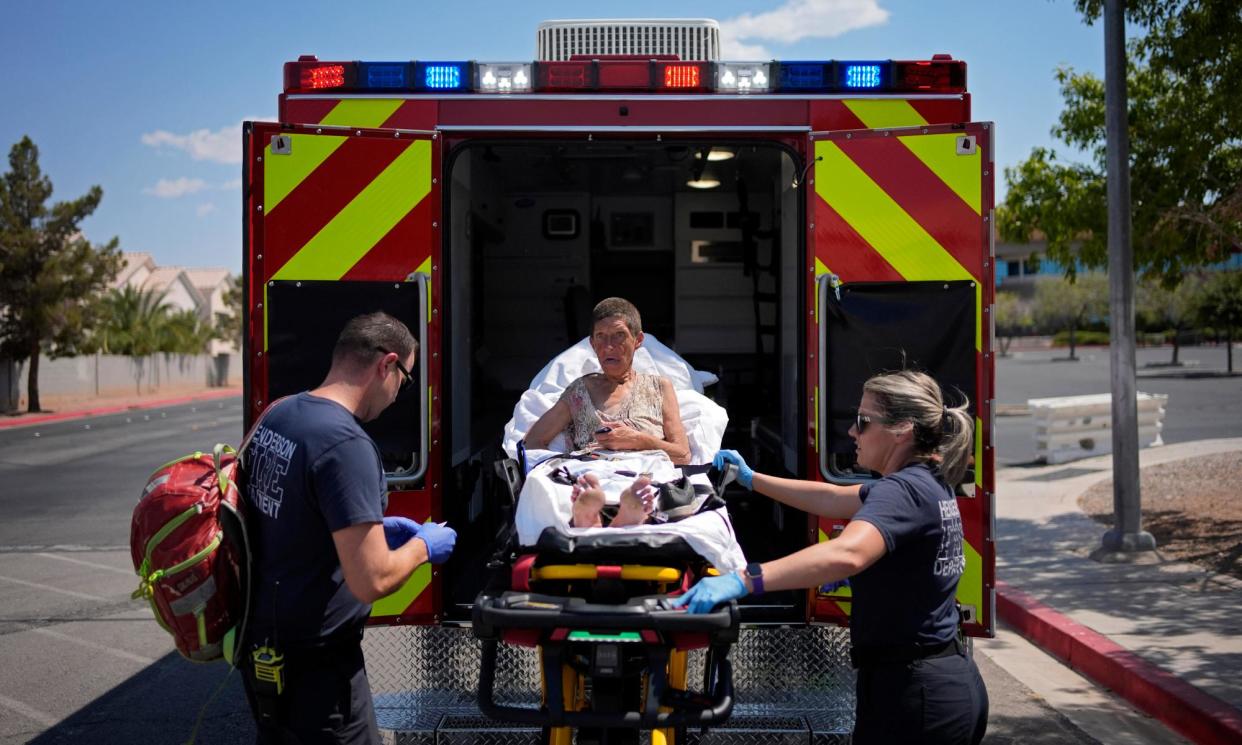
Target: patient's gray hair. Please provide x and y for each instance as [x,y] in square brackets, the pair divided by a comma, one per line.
[618,306]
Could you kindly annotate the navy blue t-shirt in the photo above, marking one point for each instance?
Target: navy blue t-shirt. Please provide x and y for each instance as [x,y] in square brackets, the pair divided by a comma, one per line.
[907,597]
[310,470]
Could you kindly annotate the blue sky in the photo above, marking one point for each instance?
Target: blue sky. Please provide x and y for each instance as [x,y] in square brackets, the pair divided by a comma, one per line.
[145,98]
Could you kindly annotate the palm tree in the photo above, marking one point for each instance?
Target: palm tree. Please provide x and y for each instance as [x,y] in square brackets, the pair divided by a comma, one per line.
[132,328]
[184,332]
[134,318]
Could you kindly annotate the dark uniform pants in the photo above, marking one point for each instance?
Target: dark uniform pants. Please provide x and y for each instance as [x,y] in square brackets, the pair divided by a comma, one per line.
[327,699]
[940,700]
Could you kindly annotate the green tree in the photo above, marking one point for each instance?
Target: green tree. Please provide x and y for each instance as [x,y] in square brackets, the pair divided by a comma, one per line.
[1013,317]
[229,320]
[184,332]
[1070,303]
[1221,307]
[50,274]
[1184,81]
[134,318]
[1172,309]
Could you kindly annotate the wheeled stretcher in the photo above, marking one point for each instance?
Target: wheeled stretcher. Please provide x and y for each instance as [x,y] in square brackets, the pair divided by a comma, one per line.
[612,649]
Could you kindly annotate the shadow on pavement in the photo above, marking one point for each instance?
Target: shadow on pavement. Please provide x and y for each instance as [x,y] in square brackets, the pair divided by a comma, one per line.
[159,705]
[1141,599]
[1017,715]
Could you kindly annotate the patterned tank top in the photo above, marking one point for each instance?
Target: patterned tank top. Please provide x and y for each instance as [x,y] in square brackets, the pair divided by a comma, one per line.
[643,409]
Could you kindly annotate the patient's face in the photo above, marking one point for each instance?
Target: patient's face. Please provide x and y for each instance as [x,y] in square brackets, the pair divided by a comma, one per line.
[614,345]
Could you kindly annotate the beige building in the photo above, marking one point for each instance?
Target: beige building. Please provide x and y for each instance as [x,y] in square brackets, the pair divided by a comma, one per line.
[200,289]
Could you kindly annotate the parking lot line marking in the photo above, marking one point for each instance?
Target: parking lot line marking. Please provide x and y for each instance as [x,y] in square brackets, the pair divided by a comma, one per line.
[38,586]
[96,645]
[91,564]
[47,720]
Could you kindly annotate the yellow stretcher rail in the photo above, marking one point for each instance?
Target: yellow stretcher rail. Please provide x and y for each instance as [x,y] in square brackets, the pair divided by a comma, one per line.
[636,572]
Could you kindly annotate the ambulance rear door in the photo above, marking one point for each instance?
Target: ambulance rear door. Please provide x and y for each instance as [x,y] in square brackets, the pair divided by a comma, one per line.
[900,274]
[342,221]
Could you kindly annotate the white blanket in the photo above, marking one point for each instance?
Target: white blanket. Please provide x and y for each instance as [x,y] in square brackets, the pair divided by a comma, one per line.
[545,503]
[704,420]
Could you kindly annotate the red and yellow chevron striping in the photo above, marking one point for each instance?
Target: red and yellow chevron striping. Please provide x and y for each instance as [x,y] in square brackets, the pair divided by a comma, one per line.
[907,204]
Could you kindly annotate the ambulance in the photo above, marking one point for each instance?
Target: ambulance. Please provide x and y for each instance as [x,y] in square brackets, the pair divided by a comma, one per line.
[786,228]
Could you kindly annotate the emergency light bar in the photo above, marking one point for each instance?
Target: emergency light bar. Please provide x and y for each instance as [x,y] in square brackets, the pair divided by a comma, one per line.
[612,74]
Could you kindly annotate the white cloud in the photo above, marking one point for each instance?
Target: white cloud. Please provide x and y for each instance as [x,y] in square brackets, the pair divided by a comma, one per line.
[223,145]
[794,21]
[173,188]
[205,209]
[734,49]
[232,185]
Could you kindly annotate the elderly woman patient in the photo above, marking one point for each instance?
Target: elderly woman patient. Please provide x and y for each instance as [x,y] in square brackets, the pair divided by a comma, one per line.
[616,409]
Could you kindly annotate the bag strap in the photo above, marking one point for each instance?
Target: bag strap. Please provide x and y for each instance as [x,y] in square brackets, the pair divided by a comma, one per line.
[254,427]
[217,456]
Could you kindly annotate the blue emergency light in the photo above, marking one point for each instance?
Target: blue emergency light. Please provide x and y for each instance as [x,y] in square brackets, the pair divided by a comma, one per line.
[804,76]
[443,76]
[863,75]
[384,75]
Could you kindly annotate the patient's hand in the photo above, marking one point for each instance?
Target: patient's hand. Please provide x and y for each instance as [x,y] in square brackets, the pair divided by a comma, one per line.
[588,500]
[623,437]
[637,502]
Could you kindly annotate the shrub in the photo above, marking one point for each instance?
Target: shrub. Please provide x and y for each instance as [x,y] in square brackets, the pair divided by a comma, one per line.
[1082,338]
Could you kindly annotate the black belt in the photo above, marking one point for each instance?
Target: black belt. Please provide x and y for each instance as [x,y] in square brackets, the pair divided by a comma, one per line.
[870,656]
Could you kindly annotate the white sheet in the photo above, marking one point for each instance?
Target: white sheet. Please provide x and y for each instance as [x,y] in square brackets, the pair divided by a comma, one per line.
[545,503]
[704,420]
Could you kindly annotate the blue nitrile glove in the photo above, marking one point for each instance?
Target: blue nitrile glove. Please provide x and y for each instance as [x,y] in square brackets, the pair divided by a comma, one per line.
[440,540]
[834,586]
[712,591]
[745,475]
[399,530]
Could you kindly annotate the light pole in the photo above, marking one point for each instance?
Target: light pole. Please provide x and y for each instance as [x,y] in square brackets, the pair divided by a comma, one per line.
[1127,533]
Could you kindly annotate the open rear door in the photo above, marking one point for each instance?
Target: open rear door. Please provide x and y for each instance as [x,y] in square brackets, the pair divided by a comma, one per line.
[340,222]
[900,233]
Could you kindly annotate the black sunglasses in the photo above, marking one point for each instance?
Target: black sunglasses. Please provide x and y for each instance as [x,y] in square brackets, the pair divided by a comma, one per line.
[861,421]
[406,378]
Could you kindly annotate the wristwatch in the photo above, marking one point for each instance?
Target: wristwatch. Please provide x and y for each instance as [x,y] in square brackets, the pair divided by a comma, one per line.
[754,571]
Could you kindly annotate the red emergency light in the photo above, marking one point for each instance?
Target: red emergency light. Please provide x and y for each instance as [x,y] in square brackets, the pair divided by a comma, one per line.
[683,76]
[565,76]
[624,74]
[309,73]
[937,75]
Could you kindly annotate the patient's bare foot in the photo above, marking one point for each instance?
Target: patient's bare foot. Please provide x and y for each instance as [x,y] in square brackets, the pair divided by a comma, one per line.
[637,502]
[588,500]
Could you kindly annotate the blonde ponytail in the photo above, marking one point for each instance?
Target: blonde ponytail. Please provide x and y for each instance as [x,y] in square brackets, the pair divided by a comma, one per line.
[957,444]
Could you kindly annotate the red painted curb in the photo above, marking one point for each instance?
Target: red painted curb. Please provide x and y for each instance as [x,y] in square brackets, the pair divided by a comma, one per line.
[21,421]
[1198,716]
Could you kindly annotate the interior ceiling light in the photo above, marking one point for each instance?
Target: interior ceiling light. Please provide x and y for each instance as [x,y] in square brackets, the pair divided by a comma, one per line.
[703,183]
[716,154]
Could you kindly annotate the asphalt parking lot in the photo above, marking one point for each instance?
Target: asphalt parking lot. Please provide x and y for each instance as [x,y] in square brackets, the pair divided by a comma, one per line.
[1200,405]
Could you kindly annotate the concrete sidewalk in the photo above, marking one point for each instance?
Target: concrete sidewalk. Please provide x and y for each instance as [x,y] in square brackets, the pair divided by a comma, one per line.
[1165,635]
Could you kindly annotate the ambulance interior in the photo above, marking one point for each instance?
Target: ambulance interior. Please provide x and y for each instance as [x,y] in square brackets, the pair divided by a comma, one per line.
[702,236]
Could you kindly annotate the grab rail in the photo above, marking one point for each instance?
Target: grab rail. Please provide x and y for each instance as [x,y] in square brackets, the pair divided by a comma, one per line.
[406,478]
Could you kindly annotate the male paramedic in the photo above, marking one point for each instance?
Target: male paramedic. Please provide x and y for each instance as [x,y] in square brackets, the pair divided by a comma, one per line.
[323,550]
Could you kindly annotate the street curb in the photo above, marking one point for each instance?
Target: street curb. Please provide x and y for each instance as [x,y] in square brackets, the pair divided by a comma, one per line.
[1198,716]
[22,421]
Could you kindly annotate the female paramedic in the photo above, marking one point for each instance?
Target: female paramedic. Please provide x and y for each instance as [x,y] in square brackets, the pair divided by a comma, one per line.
[903,551]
